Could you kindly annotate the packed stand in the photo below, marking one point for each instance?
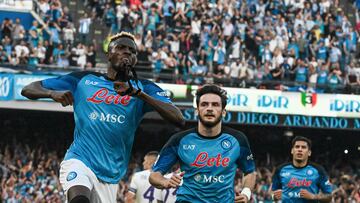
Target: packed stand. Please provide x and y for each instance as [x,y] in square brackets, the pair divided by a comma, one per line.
[292,45]
[56,42]
[29,175]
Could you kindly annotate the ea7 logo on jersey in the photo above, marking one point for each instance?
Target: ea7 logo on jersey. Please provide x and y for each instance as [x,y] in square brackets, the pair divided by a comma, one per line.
[89,82]
[188,146]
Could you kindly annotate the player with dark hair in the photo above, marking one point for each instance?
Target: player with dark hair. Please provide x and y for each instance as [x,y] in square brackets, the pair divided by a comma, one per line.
[140,189]
[107,110]
[209,156]
[301,181]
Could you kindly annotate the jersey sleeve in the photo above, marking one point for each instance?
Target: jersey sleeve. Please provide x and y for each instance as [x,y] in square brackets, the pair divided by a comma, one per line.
[155,92]
[276,180]
[133,184]
[168,156]
[246,159]
[65,82]
[324,182]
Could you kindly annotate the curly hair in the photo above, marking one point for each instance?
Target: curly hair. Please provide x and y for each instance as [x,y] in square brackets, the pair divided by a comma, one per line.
[122,34]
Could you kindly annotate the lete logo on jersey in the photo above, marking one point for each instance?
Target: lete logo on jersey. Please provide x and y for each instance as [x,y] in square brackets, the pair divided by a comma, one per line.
[103,96]
[203,159]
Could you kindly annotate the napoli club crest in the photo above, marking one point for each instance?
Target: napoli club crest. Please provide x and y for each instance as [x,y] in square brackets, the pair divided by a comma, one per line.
[71,176]
[226,144]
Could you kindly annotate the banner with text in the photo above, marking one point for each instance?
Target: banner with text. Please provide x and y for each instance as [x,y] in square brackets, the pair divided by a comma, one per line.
[21,80]
[293,103]
[268,119]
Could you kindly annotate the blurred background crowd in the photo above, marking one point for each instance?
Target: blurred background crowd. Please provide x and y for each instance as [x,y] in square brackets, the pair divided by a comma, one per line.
[32,176]
[291,45]
[30,156]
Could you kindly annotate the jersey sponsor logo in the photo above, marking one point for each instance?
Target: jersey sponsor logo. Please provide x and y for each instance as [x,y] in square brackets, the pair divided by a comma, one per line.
[226,144]
[285,174]
[203,159]
[71,176]
[209,178]
[103,96]
[188,146]
[294,194]
[250,157]
[108,118]
[163,94]
[89,82]
[294,182]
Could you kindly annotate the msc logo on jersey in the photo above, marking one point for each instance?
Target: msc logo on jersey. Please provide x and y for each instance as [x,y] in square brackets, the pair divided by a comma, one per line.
[226,144]
[108,118]
[209,178]
[71,176]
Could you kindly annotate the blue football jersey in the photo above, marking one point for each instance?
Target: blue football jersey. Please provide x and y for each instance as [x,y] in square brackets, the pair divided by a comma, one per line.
[105,122]
[291,180]
[210,163]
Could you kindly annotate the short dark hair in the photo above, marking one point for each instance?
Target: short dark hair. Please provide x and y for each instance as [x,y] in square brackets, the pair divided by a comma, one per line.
[152,153]
[301,138]
[212,89]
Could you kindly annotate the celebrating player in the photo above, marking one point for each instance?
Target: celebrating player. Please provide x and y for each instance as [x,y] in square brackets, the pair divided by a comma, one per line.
[140,189]
[208,155]
[300,181]
[107,110]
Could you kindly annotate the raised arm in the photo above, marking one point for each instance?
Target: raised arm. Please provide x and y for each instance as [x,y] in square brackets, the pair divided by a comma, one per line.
[168,111]
[35,90]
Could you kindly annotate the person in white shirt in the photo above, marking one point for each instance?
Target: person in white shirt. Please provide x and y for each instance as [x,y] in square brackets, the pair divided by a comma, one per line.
[140,190]
[166,195]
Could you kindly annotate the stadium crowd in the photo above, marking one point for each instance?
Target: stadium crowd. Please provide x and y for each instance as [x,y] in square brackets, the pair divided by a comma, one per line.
[292,45]
[30,174]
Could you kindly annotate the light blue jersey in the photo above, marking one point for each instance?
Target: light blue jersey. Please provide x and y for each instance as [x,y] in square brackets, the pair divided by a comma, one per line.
[105,122]
[291,180]
[210,164]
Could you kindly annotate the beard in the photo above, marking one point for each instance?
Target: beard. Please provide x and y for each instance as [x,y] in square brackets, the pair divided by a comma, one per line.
[210,124]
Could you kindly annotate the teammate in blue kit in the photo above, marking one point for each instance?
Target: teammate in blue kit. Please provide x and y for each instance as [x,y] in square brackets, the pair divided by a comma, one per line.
[107,110]
[301,181]
[209,156]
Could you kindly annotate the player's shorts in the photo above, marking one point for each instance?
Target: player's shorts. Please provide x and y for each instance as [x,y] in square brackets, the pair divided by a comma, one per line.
[74,172]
